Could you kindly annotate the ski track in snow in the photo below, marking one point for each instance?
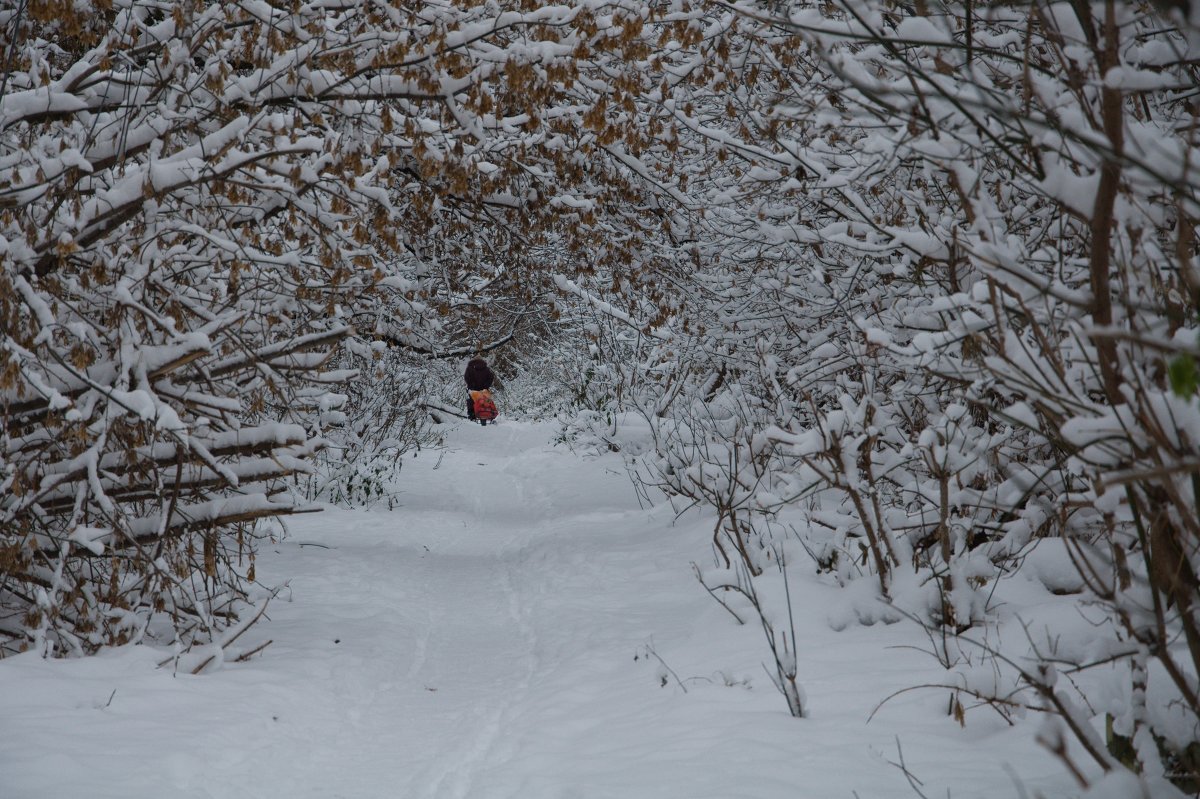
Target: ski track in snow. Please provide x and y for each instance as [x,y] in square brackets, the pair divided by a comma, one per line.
[487,640]
[479,728]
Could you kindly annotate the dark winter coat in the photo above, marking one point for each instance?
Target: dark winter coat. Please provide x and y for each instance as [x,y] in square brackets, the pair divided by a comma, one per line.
[478,375]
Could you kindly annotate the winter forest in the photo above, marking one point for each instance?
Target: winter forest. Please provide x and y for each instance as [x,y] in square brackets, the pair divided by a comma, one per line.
[900,296]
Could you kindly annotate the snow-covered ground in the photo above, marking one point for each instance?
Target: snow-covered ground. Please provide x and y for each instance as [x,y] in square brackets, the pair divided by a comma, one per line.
[518,627]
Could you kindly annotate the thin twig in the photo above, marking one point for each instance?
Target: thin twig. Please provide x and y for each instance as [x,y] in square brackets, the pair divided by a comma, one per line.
[650,651]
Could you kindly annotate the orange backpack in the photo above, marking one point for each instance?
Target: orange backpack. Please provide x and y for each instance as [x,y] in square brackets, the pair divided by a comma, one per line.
[485,409]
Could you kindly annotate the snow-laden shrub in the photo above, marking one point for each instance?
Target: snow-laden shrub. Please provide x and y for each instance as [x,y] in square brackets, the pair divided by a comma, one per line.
[386,415]
[943,308]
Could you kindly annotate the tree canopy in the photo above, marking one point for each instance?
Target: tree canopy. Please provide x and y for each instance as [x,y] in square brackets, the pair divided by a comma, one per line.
[905,288]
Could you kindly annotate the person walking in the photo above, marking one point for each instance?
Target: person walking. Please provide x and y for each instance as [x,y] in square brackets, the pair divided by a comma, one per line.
[479,377]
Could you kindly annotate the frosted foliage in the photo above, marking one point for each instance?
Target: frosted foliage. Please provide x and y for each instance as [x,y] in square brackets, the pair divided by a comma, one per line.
[943,310]
[198,203]
[907,295]
[164,331]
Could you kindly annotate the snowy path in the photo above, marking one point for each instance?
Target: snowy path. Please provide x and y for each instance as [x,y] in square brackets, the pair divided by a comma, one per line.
[486,640]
